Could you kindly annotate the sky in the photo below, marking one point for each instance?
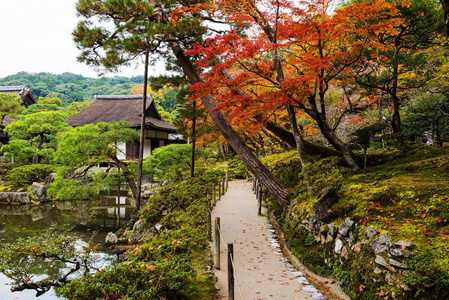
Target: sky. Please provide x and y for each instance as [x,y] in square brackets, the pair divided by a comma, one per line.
[36,36]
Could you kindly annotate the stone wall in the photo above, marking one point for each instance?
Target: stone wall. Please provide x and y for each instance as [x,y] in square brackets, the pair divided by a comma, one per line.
[349,242]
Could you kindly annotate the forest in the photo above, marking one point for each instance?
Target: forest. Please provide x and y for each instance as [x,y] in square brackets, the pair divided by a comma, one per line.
[339,110]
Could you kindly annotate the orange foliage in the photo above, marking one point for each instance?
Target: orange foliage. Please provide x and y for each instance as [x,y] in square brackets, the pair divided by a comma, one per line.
[318,48]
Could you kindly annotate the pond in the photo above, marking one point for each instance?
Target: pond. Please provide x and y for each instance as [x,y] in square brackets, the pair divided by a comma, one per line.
[91,219]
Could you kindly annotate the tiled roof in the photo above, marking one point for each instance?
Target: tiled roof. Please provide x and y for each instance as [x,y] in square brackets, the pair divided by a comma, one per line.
[113,108]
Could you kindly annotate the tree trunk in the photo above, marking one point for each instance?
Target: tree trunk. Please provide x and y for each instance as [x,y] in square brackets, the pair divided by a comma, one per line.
[142,137]
[338,144]
[129,177]
[278,190]
[299,143]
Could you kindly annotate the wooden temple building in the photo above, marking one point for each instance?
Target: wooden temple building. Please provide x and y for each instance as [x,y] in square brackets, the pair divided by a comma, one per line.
[111,108]
[24,93]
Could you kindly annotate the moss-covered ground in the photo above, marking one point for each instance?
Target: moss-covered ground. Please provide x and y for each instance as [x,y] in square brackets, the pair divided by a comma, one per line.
[405,195]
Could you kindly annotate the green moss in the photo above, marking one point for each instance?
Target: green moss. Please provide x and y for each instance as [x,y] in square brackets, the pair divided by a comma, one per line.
[406,195]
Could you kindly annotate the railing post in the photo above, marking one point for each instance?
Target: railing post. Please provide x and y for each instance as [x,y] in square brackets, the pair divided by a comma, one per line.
[223,181]
[217,244]
[260,192]
[230,272]
[219,189]
[227,180]
[214,200]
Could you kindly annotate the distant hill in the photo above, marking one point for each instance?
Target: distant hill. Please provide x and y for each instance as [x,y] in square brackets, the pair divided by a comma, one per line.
[71,87]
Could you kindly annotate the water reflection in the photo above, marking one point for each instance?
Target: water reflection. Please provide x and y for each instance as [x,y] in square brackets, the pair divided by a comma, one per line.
[91,219]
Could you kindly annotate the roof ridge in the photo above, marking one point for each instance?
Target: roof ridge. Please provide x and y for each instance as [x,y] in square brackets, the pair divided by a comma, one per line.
[121,97]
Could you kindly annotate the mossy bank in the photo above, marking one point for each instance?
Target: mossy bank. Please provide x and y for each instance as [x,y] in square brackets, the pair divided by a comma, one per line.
[381,232]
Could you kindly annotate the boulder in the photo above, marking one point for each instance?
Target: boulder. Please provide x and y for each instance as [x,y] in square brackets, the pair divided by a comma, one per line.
[319,296]
[322,207]
[111,238]
[370,232]
[403,244]
[343,229]
[338,246]
[396,263]
[140,233]
[310,289]
[382,262]
[49,179]
[381,243]
[39,191]
[15,197]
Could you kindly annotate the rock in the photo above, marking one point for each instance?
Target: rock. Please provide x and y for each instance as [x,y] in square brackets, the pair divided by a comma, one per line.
[302,280]
[338,246]
[147,194]
[39,191]
[381,243]
[382,262]
[329,238]
[331,227]
[323,238]
[15,197]
[349,222]
[322,207]
[111,238]
[297,274]
[357,247]
[390,279]
[377,271]
[310,289]
[396,263]
[319,296]
[313,219]
[401,252]
[343,229]
[146,187]
[344,252]
[370,232]
[403,244]
[49,179]
[139,234]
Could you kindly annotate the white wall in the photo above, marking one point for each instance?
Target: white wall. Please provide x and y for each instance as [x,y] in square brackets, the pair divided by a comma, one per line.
[146,148]
[121,151]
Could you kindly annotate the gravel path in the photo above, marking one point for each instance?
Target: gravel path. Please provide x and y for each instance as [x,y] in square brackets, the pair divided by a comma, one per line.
[261,270]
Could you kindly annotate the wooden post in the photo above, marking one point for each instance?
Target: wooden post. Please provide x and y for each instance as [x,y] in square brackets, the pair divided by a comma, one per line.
[255,186]
[246,173]
[219,189]
[214,200]
[257,191]
[230,272]
[217,244]
[260,200]
[224,184]
[227,181]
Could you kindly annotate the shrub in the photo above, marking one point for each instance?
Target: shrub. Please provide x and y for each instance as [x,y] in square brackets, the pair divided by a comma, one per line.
[25,175]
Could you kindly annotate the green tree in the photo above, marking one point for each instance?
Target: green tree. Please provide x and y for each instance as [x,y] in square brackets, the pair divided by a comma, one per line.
[24,259]
[45,104]
[33,136]
[402,52]
[172,158]
[76,107]
[10,105]
[84,147]
[140,26]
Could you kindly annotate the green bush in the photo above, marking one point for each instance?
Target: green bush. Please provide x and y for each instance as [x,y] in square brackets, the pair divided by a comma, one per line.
[172,264]
[25,175]
[5,168]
